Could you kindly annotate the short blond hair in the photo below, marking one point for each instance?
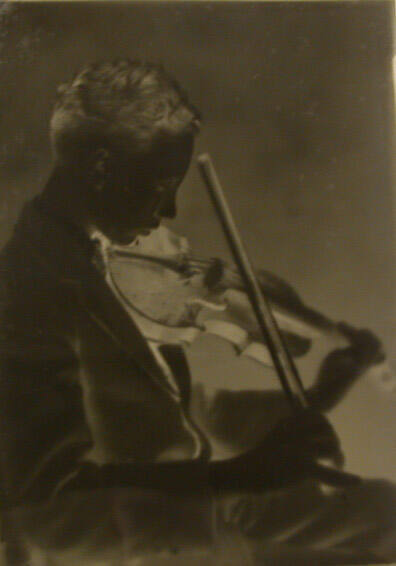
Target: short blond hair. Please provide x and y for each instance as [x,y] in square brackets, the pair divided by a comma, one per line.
[126,99]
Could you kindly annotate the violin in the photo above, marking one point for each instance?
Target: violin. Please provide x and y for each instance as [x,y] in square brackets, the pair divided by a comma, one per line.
[174,297]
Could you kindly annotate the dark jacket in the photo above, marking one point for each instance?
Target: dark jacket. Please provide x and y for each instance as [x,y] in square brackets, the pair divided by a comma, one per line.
[77,379]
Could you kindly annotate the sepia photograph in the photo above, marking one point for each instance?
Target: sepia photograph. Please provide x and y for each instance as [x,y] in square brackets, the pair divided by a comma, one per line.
[197,274]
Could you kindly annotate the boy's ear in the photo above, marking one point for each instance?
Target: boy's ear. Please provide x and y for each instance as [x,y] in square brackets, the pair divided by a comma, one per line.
[100,168]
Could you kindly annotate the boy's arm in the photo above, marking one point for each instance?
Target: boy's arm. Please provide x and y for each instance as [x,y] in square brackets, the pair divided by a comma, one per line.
[284,457]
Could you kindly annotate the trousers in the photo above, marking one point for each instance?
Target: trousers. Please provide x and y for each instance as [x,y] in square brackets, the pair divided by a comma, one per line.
[301,525]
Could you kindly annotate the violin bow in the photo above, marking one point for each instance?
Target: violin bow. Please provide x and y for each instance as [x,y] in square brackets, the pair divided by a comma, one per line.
[286,369]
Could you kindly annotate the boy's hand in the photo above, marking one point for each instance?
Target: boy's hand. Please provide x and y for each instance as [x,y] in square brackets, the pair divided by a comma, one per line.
[365,347]
[286,455]
[342,367]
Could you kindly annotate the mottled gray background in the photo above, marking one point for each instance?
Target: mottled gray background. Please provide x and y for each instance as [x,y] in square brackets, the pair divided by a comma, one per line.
[297,100]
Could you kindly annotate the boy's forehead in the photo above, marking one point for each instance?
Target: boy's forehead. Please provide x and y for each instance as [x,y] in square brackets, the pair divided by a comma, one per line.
[166,157]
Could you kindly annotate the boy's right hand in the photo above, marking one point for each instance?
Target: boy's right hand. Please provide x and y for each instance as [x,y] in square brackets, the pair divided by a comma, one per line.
[288,452]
